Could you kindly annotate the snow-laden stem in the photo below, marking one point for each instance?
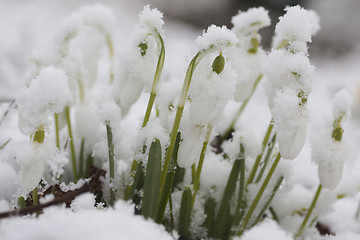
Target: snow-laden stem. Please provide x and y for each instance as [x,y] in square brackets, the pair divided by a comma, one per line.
[56,117]
[228,131]
[111,161]
[71,141]
[258,158]
[258,195]
[308,214]
[184,92]
[200,164]
[159,68]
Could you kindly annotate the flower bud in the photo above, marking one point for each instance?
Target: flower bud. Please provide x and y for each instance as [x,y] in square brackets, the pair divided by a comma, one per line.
[218,64]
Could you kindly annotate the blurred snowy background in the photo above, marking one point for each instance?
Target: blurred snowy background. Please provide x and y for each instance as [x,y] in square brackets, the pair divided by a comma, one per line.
[25,26]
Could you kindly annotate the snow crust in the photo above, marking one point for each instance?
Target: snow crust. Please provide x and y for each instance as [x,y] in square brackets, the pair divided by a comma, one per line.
[59,223]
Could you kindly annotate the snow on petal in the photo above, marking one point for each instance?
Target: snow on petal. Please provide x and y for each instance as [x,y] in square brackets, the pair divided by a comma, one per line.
[151,18]
[251,20]
[219,37]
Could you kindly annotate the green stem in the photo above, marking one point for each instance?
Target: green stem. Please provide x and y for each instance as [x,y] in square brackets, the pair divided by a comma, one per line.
[111,161]
[71,140]
[35,197]
[200,164]
[132,175]
[56,116]
[81,158]
[110,46]
[179,111]
[157,76]
[308,214]
[259,194]
[227,133]
[257,161]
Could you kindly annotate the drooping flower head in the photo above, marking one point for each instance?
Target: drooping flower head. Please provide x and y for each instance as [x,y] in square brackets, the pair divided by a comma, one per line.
[140,58]
[246,27]
[295,28]
[46,94]
[329,149]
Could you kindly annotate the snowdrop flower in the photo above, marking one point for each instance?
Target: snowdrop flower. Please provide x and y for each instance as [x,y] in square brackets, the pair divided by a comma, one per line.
[210,91]
[139,64]
[246,27]
[288,86]
[214,39]
[295,29]
[213,80]
[248,56]
[329,150]
[46,94]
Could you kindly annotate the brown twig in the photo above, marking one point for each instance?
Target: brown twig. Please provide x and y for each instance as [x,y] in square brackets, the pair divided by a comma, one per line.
[94,185]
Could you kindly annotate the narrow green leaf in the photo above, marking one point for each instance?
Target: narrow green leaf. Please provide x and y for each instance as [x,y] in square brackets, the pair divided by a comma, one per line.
[81,158]
[241,203]
[185,213]
[152,181]
[222,218]
[266,160]
[169,181]
[268,202]
[209,209]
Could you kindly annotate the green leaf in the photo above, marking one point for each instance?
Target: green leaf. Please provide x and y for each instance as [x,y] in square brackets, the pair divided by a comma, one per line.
[223,216]
[164,196]
[209,209]
[267,157]
[268,202]
[169,181]
[241,203]
[152,181]
[185,213]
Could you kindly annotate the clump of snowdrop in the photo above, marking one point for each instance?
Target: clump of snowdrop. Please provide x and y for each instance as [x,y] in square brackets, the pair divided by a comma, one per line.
[329,149]
[210,195]
[139,63]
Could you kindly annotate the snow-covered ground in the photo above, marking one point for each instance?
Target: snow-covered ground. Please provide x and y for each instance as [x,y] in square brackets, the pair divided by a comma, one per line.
[28,26]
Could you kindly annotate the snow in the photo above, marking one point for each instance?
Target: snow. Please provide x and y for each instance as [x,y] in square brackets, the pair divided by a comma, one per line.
[268,228]
[219,37]
[251,20]
[152,18]
[59,223]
